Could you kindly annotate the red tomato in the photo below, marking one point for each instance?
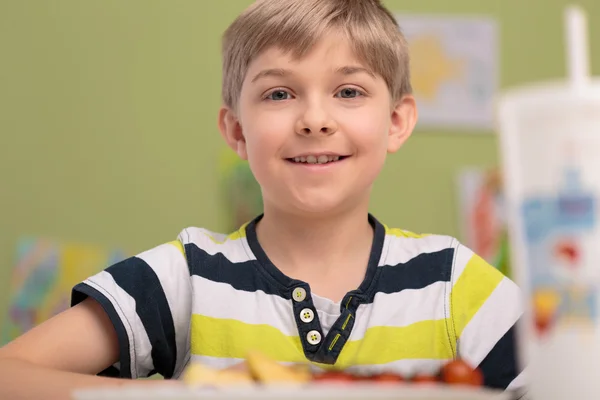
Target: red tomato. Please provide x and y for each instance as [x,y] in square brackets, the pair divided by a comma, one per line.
[424,379]
[387,377]
[458,372]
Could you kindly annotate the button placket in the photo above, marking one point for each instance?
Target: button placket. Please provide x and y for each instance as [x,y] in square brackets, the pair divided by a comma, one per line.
[332,344]
[307,320]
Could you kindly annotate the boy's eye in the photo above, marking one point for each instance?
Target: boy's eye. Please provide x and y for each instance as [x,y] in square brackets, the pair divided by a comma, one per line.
[348,93]
[278,95]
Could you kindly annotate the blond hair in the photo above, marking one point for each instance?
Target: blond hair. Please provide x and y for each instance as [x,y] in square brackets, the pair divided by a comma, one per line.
[295,25]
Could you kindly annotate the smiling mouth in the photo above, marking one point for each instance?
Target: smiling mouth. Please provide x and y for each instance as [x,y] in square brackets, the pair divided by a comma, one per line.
[322,159]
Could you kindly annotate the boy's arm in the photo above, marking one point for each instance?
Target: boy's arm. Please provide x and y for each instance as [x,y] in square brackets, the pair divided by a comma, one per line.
[60,355]
[485,308]
[131,320]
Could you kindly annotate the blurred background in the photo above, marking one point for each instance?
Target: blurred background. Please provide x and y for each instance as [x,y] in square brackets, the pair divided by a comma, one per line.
[109,143]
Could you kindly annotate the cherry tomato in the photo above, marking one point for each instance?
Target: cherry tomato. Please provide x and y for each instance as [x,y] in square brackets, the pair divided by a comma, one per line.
[458,372]
[387,377]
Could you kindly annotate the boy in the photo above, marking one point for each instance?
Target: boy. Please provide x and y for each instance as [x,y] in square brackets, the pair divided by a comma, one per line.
[315,94]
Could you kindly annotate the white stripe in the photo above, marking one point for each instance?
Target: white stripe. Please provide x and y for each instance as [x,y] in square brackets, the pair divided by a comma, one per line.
[139,344]
[406,367]
[215,362]
[172,271]
[462,256]
[402,308]
[213,243]
[400,250]
[519,382]
[495,317]
[220,300]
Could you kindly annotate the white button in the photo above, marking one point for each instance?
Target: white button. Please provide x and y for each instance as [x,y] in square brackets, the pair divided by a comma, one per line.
[313,337]
[299,294]
[307,315]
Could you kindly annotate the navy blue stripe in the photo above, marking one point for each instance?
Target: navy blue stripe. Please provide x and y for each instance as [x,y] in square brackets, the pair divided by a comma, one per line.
[139,280]
[418,273]
[500,366]
[81,292]
[246,276]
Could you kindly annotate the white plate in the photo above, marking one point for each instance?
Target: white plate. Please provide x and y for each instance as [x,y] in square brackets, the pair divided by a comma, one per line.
[320,392]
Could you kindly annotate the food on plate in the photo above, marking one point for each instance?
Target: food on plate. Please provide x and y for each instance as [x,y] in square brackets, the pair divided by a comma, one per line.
[260,369]
[265,370]
[387,377]
[199,375]
[459,372]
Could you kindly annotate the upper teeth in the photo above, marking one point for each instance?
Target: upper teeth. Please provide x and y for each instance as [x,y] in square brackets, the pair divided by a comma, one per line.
[322,159]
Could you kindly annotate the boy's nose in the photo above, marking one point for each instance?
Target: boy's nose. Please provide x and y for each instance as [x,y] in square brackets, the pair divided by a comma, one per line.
[325,130]
[315,121]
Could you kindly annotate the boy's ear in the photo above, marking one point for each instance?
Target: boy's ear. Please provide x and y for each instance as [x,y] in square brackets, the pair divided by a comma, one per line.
[231,130]
[404,118]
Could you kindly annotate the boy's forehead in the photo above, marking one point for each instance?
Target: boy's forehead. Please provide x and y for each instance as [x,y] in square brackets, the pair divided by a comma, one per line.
[331,52]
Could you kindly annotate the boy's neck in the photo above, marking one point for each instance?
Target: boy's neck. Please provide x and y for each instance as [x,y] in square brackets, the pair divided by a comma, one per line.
[313,249]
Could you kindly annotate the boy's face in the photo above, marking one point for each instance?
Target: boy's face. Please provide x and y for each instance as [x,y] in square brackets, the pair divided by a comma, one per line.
[316,131]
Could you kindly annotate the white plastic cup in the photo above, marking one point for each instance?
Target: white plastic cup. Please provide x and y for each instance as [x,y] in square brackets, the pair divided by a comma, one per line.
[550,146]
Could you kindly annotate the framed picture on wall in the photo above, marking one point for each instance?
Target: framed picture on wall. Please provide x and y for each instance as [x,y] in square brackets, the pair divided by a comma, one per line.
[454,70]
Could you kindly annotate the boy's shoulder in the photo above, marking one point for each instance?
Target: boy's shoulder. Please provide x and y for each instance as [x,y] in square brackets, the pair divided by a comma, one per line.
[200,235]
[426,259]
[199,243]
[404,247]
[403,234]
[411,244]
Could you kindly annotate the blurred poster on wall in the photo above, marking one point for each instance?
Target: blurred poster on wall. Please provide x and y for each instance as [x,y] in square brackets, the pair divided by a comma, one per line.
[482,216]
[43,276]
[240,192]
[454,70]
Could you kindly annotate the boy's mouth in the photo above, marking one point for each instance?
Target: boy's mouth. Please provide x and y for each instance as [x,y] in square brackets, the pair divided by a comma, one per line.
[311,159]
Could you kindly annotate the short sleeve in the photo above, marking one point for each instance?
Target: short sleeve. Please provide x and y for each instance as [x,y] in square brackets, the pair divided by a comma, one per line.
[148,299]
[486,307]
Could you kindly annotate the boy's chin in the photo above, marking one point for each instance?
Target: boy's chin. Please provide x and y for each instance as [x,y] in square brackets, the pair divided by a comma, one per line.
[311,204]
[322,207]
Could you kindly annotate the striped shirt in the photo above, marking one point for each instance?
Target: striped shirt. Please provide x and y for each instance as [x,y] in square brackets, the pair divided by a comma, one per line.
[208,297]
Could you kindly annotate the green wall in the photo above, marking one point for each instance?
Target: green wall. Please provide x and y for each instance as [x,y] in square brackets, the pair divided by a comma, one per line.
[108,118]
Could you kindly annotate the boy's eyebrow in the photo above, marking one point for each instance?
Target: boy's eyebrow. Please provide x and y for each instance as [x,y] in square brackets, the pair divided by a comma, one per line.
[280,72]
[352,69]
